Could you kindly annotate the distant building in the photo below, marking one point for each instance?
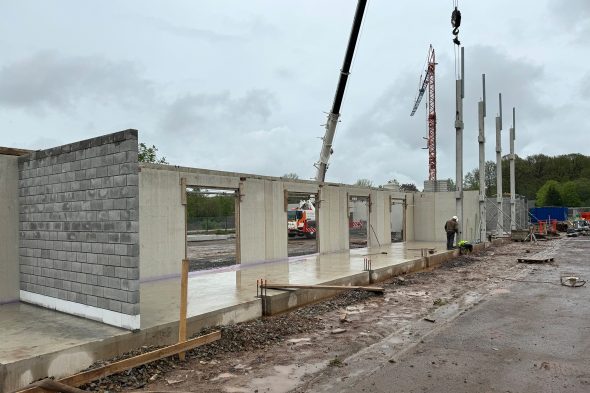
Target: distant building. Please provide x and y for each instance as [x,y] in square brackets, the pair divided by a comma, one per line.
[437,186]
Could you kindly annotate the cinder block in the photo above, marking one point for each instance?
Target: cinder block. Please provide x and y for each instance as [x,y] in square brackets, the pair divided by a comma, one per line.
[114,260]
[114,305]
[133,297]
[109,271]
[113,170]
[115,294]
[91,279]
[122,249]
[108,249]
[130,285]
[133,273]
[87,289]
[92,301]
[129,261]
[130,309]
[120,181]
[121,272]
[76,287]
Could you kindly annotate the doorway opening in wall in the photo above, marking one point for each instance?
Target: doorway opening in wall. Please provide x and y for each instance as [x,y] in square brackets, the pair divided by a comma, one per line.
[302,224]
[211,235]
[398,218]
[358,221]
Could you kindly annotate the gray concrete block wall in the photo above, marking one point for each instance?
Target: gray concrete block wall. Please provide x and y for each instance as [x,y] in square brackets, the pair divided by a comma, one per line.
[79,222]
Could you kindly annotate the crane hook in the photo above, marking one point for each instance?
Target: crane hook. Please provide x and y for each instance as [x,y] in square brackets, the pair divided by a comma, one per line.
[456,23]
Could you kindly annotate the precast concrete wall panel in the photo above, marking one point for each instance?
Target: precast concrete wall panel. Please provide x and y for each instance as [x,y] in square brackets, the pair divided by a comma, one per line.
[471,218]
[276,221]
[253,222]
[380,218]
[333,222]
[79,228]
[410,217]
[9,260]
[433,209]
[161,224]
[424,217]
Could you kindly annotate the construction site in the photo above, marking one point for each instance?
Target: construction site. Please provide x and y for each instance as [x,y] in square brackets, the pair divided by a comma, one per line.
[114,277]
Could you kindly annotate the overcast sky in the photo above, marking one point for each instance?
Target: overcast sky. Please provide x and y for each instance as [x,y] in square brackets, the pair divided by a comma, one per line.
[243,85]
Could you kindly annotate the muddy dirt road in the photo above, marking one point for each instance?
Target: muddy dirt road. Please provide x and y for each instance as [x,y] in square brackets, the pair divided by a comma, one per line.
[357,339]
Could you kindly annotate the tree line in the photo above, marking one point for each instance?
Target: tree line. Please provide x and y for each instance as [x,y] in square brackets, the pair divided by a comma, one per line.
[552,181]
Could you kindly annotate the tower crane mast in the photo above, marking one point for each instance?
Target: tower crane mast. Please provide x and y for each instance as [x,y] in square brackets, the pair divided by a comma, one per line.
[429,83]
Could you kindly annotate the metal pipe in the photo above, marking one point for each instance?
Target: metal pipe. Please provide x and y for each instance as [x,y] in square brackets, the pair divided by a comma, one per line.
[334,114]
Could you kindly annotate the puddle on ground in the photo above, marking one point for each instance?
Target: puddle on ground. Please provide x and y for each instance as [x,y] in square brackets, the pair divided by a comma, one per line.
[500,290]
[298,340]
[223,376]
[283,379]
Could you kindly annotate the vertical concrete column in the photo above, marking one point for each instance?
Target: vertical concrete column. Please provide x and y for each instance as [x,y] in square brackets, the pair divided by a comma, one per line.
[512,173]
[500,221]
[482,163]
[460,94]
[9,208]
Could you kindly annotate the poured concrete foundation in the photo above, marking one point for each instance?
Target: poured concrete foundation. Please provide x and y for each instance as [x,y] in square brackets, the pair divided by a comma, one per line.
[40,343]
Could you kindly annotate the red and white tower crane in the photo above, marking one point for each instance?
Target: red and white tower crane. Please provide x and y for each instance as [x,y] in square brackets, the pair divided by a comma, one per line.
[428,82]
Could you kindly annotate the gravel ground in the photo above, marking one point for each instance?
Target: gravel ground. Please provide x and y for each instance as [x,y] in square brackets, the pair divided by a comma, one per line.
[284,352]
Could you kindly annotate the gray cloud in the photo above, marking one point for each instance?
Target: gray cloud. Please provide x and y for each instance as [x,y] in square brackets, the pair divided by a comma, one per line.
[218,113]
[585,86]
[48,80]
[574,17]
[193,32]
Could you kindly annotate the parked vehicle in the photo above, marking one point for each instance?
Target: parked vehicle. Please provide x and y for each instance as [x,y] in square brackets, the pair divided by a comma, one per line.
[301,220]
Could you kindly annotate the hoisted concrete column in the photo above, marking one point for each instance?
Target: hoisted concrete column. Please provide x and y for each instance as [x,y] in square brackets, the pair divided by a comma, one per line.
[499,224]
[460,94]
[512,173]
[481,106]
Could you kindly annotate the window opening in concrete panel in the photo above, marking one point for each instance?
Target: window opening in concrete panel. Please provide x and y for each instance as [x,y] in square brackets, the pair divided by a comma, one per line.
[397,220]
[358,221]
[211,228]
[302,224]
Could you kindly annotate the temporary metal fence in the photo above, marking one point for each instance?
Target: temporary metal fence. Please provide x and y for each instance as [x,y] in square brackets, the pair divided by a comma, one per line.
[221,224]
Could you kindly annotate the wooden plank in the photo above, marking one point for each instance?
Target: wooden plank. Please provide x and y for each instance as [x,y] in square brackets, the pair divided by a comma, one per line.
[55,386]
[125,364]
[331,287]
[11,151]
[183,304]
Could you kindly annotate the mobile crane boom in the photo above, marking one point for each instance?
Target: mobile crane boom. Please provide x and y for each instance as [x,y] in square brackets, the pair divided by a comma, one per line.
[326,152]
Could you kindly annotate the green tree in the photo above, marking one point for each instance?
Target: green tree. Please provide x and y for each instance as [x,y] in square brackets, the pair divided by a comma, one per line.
[408,187]
[471,179]
[583,188]
[149,155]
[569,194]
[364,183]
[548,194]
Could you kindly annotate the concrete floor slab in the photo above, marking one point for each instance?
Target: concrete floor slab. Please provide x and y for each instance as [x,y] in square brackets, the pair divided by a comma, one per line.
[36,342]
